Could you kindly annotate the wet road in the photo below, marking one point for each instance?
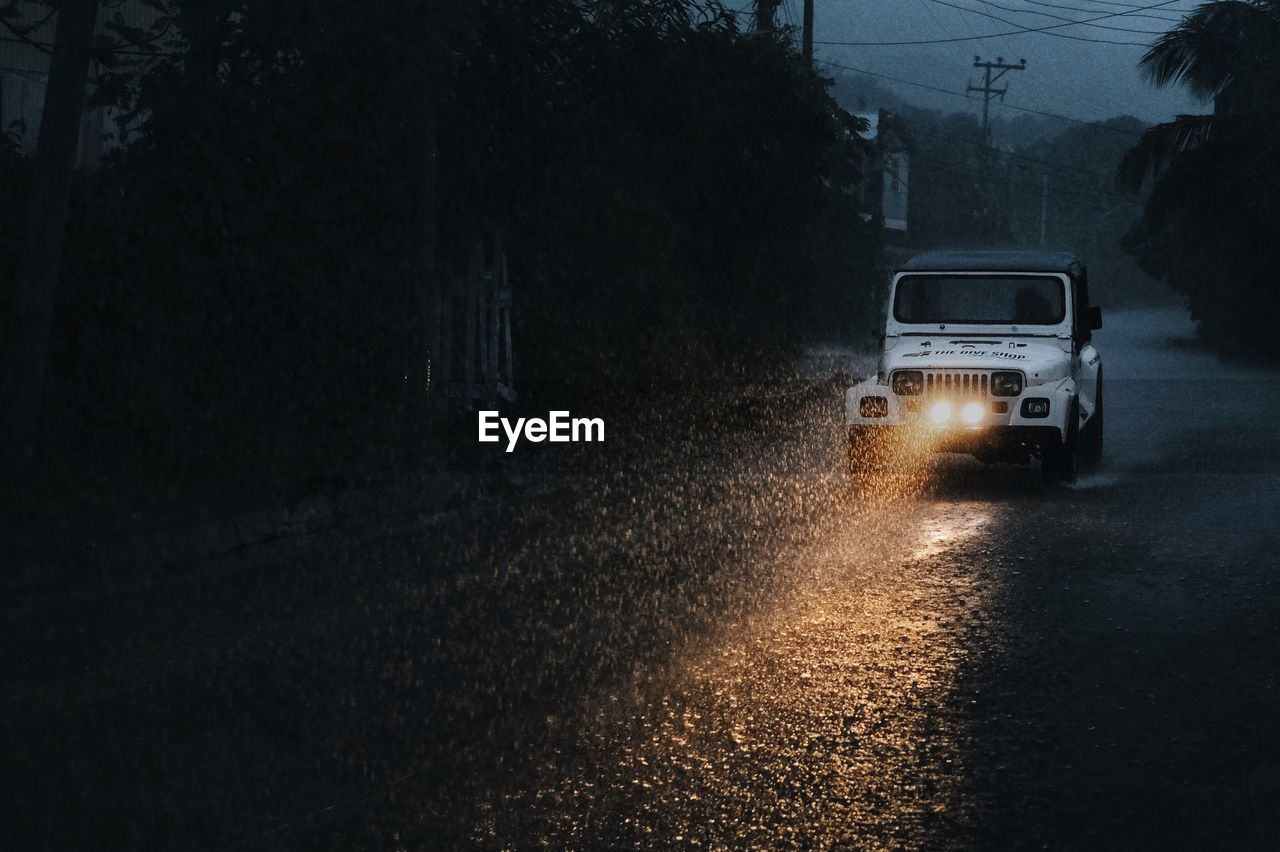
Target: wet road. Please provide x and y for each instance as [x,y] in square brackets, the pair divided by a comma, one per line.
[976,659]
[697,635]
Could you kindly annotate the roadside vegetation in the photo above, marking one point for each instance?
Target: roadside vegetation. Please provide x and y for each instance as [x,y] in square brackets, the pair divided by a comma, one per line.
[238,279]
[1209,226]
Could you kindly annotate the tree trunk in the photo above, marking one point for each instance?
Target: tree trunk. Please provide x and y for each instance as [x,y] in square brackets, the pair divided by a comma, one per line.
[36,279]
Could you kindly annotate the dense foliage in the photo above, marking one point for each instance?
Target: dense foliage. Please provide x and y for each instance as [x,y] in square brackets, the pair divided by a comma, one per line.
[238,275]
[668,184]
[1210,223]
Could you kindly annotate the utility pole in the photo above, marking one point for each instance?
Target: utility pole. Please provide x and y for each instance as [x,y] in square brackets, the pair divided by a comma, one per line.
[806,39]
[988,92]
[765,15]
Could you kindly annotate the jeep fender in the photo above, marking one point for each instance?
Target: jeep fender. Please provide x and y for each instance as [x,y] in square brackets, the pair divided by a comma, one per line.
[1060,394]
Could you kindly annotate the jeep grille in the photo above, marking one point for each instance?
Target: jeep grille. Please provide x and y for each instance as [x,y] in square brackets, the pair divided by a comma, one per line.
[963,382]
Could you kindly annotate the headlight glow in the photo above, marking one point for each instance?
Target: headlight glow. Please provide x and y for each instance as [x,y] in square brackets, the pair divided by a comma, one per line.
[940,413]
[972,413]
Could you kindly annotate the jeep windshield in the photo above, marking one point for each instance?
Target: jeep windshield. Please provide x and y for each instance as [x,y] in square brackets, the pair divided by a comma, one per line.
[980,300]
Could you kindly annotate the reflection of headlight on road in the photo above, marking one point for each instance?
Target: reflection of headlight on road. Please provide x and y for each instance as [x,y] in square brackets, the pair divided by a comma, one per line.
[940,413]
[972,413]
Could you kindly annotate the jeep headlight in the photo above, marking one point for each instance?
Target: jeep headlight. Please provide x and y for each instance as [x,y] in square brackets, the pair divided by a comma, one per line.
[1006,383]
[908,383]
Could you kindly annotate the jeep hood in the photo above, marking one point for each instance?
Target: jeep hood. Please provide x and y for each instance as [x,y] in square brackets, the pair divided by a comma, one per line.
[1042,359]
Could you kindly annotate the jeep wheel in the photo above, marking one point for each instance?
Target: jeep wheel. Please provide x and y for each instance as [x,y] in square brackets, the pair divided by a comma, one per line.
[1062,462]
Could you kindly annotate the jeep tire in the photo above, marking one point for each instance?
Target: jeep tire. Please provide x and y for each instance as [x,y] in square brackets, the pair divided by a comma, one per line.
[1062,460]
[1093,431]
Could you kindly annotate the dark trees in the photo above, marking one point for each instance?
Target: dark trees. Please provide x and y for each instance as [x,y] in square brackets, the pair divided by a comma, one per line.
[36,279]
[244,286]
[1209,225]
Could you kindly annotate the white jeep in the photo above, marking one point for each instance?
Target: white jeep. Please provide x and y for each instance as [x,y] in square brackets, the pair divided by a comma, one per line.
[988,353]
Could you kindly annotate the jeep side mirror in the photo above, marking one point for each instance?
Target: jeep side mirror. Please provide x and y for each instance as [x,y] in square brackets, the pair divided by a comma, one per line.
[1093,318]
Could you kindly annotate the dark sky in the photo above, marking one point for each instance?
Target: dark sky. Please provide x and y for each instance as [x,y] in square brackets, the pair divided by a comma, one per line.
[1082,79]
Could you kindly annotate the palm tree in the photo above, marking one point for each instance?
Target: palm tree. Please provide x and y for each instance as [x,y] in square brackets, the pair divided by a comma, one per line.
[1208,225]
[1227,51]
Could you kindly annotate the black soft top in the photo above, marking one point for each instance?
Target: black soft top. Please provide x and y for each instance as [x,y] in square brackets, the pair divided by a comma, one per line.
[996,261]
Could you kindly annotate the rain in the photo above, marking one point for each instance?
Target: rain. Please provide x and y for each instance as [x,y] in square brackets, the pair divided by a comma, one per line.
[662,425]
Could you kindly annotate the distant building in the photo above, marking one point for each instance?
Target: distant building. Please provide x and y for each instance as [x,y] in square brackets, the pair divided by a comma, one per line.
[26,40]
[887,175]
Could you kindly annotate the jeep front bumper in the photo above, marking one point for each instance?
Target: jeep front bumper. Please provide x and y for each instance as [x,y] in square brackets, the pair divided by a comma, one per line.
[1005,442]
[873,406]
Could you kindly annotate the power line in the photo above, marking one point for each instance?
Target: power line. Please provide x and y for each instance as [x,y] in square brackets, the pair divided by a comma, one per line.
[928,10]
[24,37]
[766,15]
[1047,30]
[786,13]
[45,47]
[959,94]
[894,79]
[977,38]
[1133,7]
[1180,14]
[25,73]
[1042,14]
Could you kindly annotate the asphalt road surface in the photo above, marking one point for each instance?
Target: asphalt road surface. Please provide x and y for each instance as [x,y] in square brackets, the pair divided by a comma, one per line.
[698,635]
[973,659]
